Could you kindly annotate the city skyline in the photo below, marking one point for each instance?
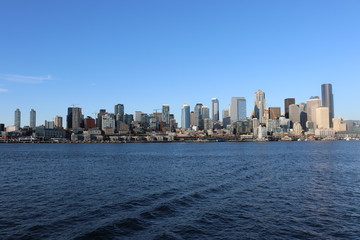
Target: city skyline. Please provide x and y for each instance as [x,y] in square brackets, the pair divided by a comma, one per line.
[144,54]
[119,110]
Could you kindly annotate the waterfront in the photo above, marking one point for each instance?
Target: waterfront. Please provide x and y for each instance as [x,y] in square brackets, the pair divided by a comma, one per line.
[275,190]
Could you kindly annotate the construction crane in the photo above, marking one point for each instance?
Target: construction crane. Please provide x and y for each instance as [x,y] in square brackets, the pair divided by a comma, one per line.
[74,104]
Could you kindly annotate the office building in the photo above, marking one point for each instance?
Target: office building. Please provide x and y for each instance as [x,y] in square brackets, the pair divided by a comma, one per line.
[287,103]
[198,114]
[108,121]
[274,113]
[166,114]
[237,109]
[32,118]
[76,118]
[49,124]
[185,116]
[260,105]
[58,122]
[322,117]
[328,100]
[17,120]
[192,118]
[205,112]
[99,118]
[312,104]
[339,125]
[89,123]
[215,110]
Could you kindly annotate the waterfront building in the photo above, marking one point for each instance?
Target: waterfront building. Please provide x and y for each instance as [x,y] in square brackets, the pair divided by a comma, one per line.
[198,115]
[328,100]
[287,103]
[76,118]
[312,104]
[339,125]
[274,113]
[237,109]
[58,121]
[322,117]
[185,116]
[166,114]
[49,124]
[260,105]
[215,110]
[273,126]
[297,128]
[17,120]
[32,118]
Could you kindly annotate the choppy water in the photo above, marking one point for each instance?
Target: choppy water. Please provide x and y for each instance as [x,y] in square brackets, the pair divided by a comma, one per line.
[283,190]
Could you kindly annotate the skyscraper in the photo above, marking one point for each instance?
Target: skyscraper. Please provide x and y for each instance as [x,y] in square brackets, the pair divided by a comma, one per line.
[287,103]
[185,116]
[119,112]
[312,104]
[32,118]
[76,118]
[274,113]
[237,109]
[205,112]
[328,99]
[69,118]
[215,109]
[17,120]
[198,114]
[166,114]
[322,117]
[260,105]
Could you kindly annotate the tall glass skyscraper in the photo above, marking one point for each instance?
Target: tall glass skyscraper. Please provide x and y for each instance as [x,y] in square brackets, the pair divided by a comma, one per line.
[198,114]
[185,116]
[119,112]
[17,120]
[32,118]
[238,109]
[215,109]
[260,105]
[166,114]
[328,99]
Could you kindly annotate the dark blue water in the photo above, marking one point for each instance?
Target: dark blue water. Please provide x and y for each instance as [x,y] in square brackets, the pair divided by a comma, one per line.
[280,190]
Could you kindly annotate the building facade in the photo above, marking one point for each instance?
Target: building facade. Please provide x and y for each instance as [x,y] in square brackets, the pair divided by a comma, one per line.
[237,109]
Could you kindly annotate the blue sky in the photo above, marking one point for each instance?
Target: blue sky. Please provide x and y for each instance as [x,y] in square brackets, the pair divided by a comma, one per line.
[147,53]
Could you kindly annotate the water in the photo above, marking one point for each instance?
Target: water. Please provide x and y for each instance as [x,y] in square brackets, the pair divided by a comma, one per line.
[280,190]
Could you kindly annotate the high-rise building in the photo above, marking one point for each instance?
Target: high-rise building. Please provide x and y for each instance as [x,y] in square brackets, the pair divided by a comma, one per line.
[311,105]
[58,122]
[69,118]
[287,103]
[274,113]
[205,112]
[238,109]
[215,109]
[119,112]
[297,113]
[99,118]
[17,120]
[76,118]
[166,114]
[138,116]
[185,116]
[328,99]
[192,118]
[32,118]
[322,118]
[260,105]
[198,114]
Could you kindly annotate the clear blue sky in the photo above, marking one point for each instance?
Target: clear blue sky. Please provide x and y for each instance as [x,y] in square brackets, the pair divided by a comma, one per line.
[147,53]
